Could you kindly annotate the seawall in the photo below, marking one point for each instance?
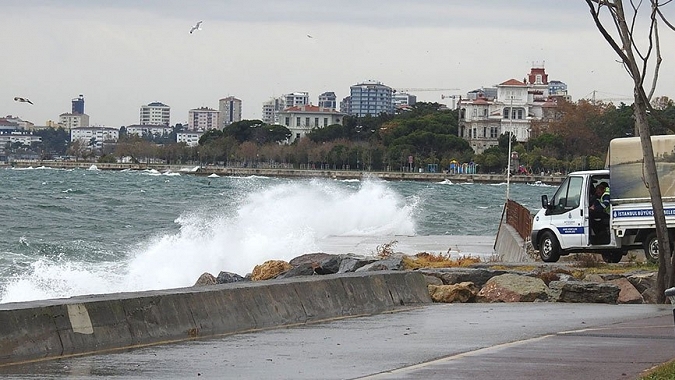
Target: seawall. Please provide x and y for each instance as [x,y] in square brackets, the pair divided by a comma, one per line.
[38,330]
[297,173]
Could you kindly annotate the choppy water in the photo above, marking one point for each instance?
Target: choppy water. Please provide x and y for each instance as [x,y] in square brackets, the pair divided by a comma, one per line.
[72,232]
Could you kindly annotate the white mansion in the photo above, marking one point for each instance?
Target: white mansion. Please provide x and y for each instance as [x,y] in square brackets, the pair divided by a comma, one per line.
[516,106]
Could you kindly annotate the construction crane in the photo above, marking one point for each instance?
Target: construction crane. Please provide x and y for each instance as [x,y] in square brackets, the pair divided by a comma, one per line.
[619,98]
[424,89]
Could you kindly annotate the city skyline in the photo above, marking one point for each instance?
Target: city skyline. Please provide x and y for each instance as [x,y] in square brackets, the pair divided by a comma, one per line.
[127,54]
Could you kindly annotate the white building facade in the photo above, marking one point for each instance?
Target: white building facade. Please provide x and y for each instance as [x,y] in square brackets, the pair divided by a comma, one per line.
[271,109]
[202,119]
[300,120]
[155,113]
[72,120]
[516,106]
[100,135]
[230,111]
[149,130]
[190,138]
[12,137]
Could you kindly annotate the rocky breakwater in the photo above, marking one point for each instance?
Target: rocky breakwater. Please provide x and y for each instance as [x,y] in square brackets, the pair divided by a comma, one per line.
[469,280]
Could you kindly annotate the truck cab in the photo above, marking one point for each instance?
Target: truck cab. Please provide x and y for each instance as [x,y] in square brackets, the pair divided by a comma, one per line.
[565,224]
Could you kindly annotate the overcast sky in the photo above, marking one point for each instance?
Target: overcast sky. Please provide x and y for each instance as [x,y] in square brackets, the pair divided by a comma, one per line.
[123,54]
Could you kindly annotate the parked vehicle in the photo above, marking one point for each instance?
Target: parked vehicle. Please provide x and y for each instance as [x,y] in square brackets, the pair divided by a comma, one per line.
[564,224]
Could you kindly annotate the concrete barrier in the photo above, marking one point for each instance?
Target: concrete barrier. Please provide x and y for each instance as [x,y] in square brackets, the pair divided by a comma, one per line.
[81,325]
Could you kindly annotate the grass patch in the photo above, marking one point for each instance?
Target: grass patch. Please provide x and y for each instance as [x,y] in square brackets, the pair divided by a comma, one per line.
[665,371]
[430,260]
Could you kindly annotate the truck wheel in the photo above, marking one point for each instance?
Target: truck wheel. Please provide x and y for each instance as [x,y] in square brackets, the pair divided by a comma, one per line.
[549,248]
[612,257]
[651,247]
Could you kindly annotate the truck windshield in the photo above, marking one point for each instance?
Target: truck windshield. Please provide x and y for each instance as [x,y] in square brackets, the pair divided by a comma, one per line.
[568,196]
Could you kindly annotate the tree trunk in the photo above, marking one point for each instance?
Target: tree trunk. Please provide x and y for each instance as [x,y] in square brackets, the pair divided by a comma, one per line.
[664,277]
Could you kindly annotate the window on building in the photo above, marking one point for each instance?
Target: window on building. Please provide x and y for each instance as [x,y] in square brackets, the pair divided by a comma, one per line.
[325,121]
[306,122]
[506,112]
[297,121]
[484,131]
[288,121]
[316,122]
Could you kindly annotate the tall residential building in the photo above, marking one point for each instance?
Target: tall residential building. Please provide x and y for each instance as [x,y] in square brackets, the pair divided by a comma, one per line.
[371,98]
[155,113]
[345,105]
[70,120]
[78,105]
[271,109]
[202,119]
[296,99]
[328,100]
[404,99]
[230,111]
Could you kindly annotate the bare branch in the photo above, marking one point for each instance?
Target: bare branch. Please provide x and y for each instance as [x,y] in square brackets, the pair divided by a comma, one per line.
[663,18]
[595,12]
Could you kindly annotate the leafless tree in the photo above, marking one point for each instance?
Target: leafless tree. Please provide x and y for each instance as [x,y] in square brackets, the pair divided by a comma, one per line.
[640,55]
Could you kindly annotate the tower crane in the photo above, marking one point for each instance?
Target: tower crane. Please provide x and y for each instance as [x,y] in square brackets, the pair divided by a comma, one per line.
[424,89]
[619,98]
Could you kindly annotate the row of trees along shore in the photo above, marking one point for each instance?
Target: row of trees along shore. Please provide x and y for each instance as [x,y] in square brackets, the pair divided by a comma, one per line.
[576,139]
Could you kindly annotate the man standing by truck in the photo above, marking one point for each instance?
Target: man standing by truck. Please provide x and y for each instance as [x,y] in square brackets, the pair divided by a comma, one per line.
[599,213]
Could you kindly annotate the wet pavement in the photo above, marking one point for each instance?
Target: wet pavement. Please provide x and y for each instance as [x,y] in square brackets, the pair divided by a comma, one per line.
[439,341]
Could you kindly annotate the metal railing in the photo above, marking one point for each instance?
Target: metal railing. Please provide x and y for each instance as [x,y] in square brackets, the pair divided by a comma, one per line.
[520,218]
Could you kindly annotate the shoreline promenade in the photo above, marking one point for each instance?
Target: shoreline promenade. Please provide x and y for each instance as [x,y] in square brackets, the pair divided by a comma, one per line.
[294,173]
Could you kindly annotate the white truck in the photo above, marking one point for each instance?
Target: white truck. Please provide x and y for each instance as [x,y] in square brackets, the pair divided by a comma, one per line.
[564,224]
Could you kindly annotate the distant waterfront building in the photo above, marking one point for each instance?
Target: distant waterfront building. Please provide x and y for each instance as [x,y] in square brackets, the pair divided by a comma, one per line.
[149,130]
[190,138]
[202,119]
[371,98]
[70,120]
[328,100]
[22,124]
[516,106]
[296,99]
[345,105]
[488,93]
[100,135]
[155,113]
[404,99]
[22,137]
[271,109]
[78,105]
[8,125]
[300,120]
[230,111]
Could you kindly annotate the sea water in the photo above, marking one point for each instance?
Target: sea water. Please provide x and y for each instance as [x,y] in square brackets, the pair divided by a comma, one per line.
[74,232]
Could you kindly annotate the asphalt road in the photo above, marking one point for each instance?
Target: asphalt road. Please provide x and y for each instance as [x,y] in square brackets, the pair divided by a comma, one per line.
[439,341]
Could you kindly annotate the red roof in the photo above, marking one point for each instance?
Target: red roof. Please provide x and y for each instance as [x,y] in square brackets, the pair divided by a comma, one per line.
[512,82]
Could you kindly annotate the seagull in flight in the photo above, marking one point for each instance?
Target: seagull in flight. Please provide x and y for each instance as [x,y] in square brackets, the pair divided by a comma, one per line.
[22,100]
[309,36]
[198,26]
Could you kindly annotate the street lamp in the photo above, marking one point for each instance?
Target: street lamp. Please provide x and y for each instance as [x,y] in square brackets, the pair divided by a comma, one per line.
[508,165]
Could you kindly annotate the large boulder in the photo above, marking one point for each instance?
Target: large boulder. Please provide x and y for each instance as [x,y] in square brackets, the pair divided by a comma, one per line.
[479,276]
[390,263]
[462,292]
[205,279]
[228,277]
[351,263]
[513,288]
[645,283]
[269,269]
[583,292]
[627,292]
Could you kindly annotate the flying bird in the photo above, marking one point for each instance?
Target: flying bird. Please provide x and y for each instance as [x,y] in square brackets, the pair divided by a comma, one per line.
[198,26]
[22,100]
[309,36]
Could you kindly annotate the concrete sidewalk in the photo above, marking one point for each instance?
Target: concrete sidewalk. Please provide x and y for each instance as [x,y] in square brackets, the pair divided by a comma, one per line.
[612,351]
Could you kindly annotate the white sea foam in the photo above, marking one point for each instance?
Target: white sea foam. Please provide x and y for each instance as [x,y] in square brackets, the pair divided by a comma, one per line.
[280,221]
